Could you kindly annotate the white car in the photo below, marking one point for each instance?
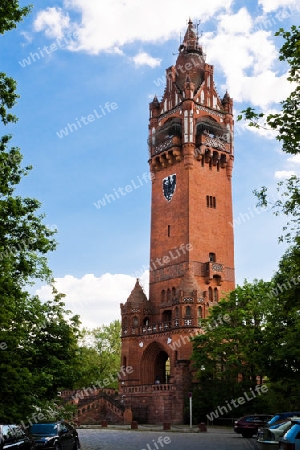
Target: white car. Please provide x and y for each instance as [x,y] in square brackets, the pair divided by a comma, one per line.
[268,438]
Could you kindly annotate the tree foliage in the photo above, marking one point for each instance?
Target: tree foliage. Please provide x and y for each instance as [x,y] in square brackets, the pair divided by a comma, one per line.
[38,341]
[101,355]
[282,331]
[230,354]
[251,337]
[286,123]
[11,13]
[260,339]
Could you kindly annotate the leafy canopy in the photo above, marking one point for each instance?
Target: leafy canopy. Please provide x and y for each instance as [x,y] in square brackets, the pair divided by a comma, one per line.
[39,340]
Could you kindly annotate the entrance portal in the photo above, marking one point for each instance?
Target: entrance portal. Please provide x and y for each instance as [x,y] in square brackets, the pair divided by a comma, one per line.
[155,365]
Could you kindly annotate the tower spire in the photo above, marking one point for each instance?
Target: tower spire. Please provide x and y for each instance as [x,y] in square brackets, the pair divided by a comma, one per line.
[190,40]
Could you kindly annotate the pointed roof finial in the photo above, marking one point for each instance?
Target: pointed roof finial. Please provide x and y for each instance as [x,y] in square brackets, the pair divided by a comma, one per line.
[226,96]
[190,40]
[137,294]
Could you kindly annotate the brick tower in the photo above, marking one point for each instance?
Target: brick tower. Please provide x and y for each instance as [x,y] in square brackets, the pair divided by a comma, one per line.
[192,248]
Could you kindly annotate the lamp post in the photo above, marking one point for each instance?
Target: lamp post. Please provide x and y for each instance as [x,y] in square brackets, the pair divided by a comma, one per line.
[191,409]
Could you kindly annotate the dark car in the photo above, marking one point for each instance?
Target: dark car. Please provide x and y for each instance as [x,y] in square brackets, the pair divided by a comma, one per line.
[55,436]
[247,426]
[12,437]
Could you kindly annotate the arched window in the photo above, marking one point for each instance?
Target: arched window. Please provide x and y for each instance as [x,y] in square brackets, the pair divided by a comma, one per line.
[210,294]
[167,370]
[199,312]
[212,257]
[173,292]
[168,295]
[216,295]
[188,311]
[124,361]
[135,322]
[146,321]
[167,315]
[176,311]
[163,295]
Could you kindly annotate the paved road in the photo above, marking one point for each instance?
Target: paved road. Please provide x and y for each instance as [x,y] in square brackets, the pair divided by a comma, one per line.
[110,439]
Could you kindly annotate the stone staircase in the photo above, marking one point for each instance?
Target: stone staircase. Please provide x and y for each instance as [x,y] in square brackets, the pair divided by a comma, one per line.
[100,406]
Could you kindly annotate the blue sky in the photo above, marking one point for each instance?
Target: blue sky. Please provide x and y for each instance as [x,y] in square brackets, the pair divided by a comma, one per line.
[86,72]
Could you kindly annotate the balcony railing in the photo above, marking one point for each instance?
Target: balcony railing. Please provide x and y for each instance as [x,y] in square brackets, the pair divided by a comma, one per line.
[161,327]
[148,388]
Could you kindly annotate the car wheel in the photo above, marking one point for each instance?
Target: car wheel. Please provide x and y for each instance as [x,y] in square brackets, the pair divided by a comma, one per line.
[76,446]
[247,435]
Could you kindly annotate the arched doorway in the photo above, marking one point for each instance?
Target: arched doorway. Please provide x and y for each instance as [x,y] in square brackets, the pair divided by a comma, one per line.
[155,365]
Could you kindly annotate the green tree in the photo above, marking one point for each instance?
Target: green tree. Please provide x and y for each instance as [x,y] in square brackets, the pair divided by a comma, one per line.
[230,356]
[11,13]
[283,327]
[38,342]
[282,331]
[101,355]
[286,123]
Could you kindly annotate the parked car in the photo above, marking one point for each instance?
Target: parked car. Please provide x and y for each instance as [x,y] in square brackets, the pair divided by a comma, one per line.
[280,417]
[247,426]
[268,438]
[291,439]
[12,437]
[58,435]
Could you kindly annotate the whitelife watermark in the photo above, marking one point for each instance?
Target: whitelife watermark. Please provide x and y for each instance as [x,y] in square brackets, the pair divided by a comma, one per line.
[120,192]
[158,263]
[181,69]
[92,390]
[48,414]
[254,211]
[235,403]
[86,120]
[283,14]
[11,160]
[221,320]
[13,250]
[161,441]
[283,287]
[58,44]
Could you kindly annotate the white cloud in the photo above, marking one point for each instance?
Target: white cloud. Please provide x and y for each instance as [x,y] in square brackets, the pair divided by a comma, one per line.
[273,5]
[143,59]
[295,159]
[263,89]
[241,22]
[242,126]
[96,300]
[248,62]
[247,57]
[291,168]
[54,21]
[281,174]
[105,26]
